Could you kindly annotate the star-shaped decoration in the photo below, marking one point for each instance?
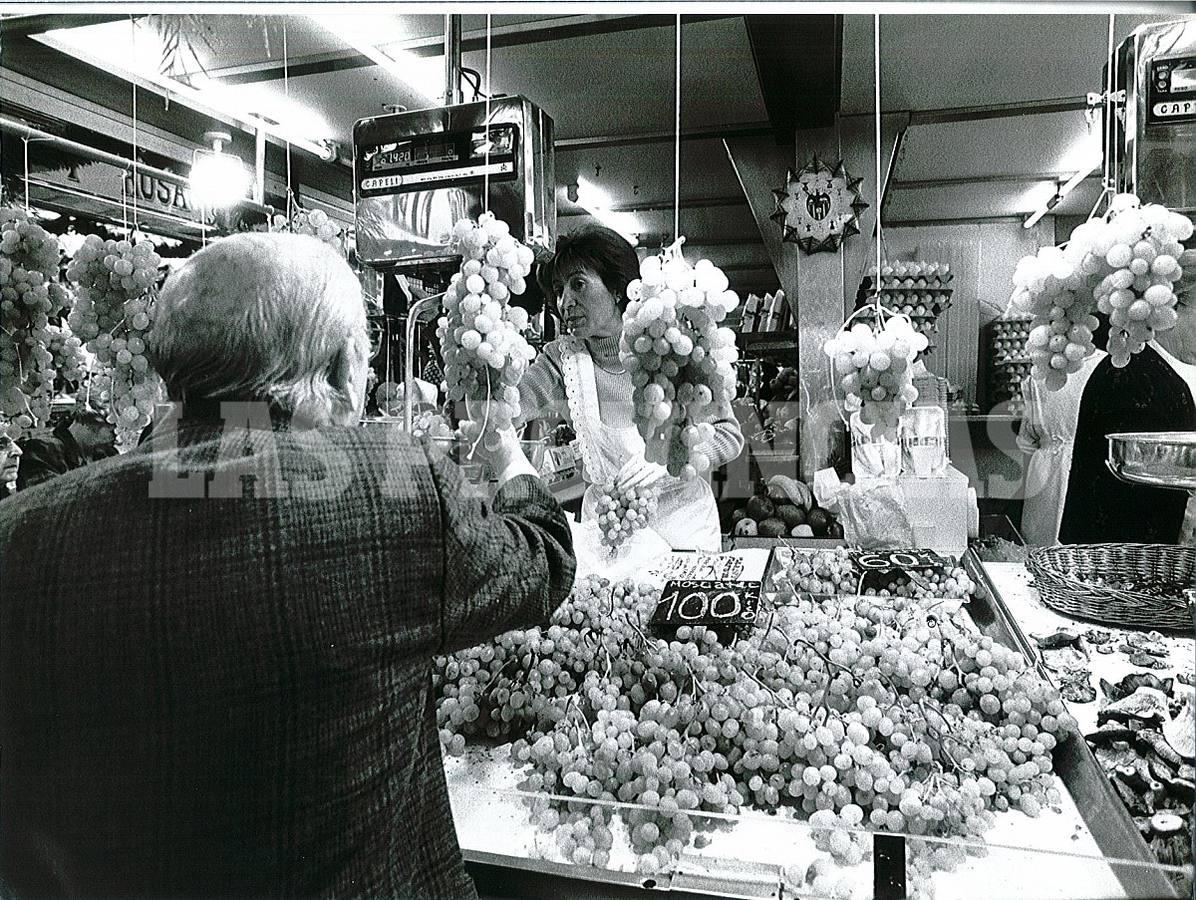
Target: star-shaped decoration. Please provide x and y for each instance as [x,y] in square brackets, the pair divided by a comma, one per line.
[819,206]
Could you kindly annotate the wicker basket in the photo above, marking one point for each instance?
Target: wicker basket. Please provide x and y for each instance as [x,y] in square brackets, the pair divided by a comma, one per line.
[1159,574]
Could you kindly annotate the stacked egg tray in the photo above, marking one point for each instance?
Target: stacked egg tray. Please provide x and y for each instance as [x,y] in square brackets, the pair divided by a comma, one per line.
[923,298]
[1009,362]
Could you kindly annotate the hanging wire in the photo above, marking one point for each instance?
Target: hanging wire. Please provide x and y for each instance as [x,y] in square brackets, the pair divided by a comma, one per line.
[677,138]
[28,209]
[286,89]
[1108,176]
[486,135]
[133,50]
[876,116]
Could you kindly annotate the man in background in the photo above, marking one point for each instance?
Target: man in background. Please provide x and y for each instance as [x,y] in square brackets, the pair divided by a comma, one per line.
[225,687]
[82,437]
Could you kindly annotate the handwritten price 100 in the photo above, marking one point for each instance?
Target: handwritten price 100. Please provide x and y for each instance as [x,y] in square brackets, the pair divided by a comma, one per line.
[699,604]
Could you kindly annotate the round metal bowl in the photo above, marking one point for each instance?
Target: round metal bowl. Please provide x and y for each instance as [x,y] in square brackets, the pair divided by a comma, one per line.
[1165,459]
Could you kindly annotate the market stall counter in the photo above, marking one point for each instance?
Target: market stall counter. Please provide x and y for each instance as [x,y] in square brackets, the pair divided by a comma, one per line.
[777,722]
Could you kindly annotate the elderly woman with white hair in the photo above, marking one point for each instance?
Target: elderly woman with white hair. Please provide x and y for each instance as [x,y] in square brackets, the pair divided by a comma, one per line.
[227,690]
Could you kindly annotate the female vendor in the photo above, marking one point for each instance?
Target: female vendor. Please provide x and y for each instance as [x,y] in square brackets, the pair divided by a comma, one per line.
[579,378]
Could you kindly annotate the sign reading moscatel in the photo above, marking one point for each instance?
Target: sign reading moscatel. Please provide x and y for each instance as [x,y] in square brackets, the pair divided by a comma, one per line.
[703,602]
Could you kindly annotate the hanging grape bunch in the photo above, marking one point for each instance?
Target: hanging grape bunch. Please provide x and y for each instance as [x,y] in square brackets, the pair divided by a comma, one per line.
[30,296]
[872,369]
[481,334]
[682,363]
[1125,265]
[71,359]
[622,512]
[313,222]
[115,281]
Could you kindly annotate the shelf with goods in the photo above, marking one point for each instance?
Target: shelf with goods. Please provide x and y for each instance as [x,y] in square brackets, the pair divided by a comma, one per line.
[922,291]
[578,761]
[1009,361]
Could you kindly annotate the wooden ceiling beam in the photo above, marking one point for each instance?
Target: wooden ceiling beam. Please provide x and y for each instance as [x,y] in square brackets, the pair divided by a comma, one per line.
[799,66]
[474,41]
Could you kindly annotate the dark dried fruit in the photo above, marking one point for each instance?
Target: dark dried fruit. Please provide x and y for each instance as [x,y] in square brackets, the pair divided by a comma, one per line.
[1107,734]
[1132,682]
[1146,661]
[1061,638]
[1148,739]
[1144,704]
[1097,636]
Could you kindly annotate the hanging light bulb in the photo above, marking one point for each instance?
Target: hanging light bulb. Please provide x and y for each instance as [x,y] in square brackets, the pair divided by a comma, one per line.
[219,180]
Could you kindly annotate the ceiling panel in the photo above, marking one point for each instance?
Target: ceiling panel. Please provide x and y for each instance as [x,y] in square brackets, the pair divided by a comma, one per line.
[644,172]
[1049,142]
[624,82]
[942,61]
[951,202]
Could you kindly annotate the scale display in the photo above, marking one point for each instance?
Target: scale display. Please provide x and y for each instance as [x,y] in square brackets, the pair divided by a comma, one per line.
[419,172]
[1172,91]
[443,160]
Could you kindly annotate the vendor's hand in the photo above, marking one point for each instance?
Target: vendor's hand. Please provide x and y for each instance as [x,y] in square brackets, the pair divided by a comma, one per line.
[498,448]
[638,473]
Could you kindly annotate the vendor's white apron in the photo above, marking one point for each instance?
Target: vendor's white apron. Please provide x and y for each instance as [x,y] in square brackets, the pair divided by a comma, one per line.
[686,516]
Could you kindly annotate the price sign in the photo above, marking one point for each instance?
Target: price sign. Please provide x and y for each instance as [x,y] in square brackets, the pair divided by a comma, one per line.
[889,560]
[703,602]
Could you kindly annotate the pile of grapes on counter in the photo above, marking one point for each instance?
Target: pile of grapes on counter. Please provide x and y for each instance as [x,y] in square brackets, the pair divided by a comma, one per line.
[860,713]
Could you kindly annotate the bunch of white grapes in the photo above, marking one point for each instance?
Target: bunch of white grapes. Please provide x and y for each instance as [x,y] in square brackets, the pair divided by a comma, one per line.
[71,359]
[314,222]
[873,369]
[481,334]
[682,362]
[30,296]
[622,512]
[115,282]
[1125,265]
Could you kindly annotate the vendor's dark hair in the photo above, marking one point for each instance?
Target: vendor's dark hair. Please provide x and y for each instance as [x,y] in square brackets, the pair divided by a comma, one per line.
[604,252]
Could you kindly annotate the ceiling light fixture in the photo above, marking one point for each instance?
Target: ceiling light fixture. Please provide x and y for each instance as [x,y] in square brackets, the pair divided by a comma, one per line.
[424,75]
[1070,185]
[109,47]
[219,180]
[598,204]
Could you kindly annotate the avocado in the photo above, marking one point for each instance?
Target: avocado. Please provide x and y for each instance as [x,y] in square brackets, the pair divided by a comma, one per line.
[791,515]
[761,508]
[818,521]
[772,528]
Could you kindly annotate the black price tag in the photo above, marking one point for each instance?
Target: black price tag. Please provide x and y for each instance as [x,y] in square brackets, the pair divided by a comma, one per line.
[902,560]
[701,602]
[878,567]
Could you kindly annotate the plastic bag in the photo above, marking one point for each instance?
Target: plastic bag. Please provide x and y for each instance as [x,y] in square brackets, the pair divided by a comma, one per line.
[873,514]
[637,554]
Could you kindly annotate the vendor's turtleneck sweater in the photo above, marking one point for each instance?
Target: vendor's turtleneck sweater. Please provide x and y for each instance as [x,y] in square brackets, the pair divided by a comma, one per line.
[542,393]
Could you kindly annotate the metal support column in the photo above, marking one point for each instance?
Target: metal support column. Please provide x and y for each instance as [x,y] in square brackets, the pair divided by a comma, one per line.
[452,60]
[259,166]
